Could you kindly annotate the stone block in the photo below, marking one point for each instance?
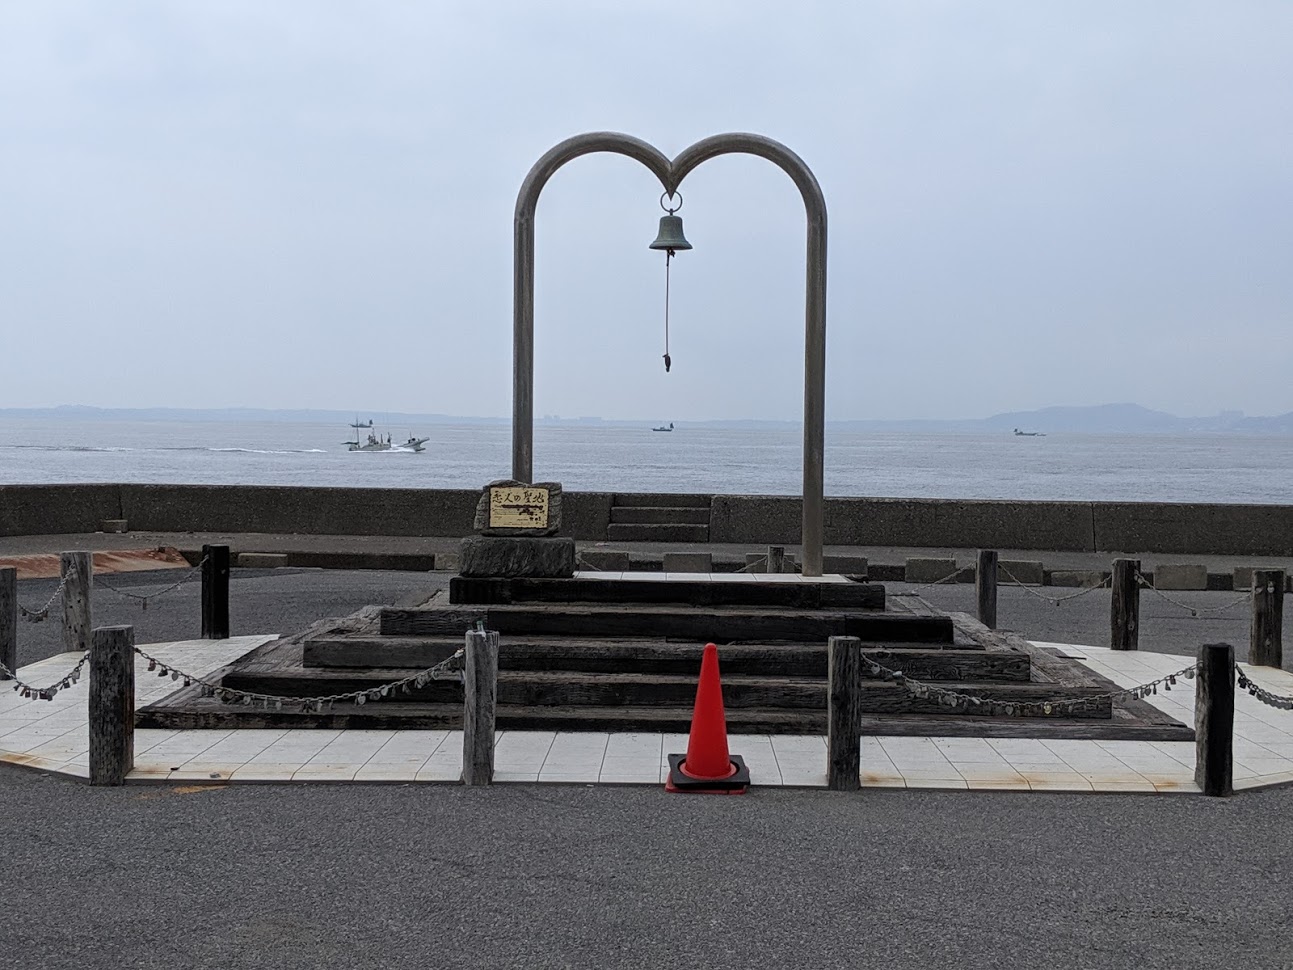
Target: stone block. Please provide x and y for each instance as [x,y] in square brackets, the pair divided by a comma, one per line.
[1076,577]
[260,560]
[1026,572]
[1182,528]
[546,557]
[448,562]
[688,562]
[37,510]
[928,570]
[1180,576]
[755,518]
[113,525]
[604,560]
[1244,577]
[295,510]
[844,565]
[585,515]
[553,524]
[953,523]
[755,562]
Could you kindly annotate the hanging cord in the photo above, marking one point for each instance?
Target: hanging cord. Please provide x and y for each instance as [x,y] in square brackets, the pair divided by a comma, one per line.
[668,255]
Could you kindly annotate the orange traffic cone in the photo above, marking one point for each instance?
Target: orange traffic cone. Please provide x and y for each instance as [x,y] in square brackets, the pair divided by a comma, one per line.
[708,766]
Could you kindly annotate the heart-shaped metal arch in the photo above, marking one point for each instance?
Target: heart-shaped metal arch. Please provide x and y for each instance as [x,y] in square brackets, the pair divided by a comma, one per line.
[671,174]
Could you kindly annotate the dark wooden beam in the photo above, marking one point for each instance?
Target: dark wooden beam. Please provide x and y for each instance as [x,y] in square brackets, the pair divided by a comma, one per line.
[844,715]
[717,624]
[112,704]
[1214,719]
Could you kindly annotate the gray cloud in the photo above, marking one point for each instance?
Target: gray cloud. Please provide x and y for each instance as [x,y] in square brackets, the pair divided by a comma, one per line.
[309,205]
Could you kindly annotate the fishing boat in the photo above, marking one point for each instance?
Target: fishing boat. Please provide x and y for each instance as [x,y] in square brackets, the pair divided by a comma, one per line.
[663,428]
[375,442]
[415,444]
[1030,434]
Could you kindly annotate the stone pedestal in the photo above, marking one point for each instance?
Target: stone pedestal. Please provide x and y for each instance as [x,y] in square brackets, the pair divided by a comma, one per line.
[549,558]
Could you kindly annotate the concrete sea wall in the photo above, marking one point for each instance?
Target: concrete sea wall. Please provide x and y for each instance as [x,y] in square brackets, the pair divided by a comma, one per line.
[1159,527]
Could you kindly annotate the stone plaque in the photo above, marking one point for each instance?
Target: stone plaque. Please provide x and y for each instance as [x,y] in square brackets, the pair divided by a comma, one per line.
[512,508]
[518,507]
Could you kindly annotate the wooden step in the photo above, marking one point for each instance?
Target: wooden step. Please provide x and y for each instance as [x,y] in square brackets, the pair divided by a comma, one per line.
[656,532]
[394,716]
[583,689]
[717,624]
[660,515]
[545,688]
[799,595]
[401,716]
[645,655]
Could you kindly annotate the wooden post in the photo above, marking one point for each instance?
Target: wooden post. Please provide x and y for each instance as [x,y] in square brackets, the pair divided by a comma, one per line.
[844,714]
[112,705]
[77,572]
[1266,634]
[215,592]
[776,560]
[1124,606]
[479,691]
[1214,719]
[8,620]
[985,585]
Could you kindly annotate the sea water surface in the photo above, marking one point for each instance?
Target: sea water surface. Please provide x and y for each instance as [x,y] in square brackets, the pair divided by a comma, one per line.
[1223,468]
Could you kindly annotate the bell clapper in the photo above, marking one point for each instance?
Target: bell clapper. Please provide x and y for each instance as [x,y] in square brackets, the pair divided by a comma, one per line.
[668,255]
[669,239]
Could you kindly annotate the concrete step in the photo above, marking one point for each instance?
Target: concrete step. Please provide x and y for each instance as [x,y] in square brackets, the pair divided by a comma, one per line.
[812,596]
[719,624]
[656,532]
[662,515]
[659,499]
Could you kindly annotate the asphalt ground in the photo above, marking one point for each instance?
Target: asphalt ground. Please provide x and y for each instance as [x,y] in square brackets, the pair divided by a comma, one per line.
[350,546]
[1164,626]
[282,601]
[575,876]
[581,876]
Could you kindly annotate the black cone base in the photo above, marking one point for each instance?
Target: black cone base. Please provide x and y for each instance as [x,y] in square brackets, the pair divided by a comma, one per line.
[735,784]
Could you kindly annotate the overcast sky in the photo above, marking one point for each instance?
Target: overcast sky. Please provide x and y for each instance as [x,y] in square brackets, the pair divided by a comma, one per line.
[309,204]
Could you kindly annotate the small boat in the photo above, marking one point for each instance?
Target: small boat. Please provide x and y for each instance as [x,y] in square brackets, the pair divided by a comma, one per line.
[375,442]
[359,424]
[663,428]
[1030,434]
[415,444]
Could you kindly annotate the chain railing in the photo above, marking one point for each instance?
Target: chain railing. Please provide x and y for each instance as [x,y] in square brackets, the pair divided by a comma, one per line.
[143,598]
[32,692]
[1269,698]
[949,578]
[1054,600]
[1192,610]
[959,701]
[448,669]
[38,616]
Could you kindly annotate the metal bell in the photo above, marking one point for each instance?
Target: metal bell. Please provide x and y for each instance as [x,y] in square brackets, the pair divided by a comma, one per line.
[671,237]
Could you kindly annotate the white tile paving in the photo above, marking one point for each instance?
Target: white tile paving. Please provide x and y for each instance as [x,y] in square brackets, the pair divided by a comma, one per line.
[52,735]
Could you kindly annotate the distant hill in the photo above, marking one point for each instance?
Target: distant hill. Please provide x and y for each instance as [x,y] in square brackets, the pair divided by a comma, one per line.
[1094,419]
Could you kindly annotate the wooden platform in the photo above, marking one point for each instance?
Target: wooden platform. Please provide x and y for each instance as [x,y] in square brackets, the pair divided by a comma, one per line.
[598,667]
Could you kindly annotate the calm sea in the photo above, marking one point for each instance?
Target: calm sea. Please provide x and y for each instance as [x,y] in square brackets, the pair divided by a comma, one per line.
[1174,468]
